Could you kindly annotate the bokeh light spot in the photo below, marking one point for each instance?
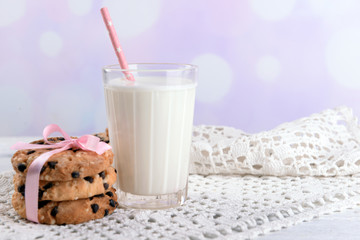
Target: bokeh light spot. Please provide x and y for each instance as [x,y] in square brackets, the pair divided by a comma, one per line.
[50,43]
[331,8]
[268,68]
[273,10]
[11,11]
[71,107]
[16,110]
[125,15]
[215,77]
[80,7]
[343,57]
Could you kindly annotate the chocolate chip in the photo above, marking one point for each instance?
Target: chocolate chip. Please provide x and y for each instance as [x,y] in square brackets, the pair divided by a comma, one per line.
[106,186]
[99,195]
[106,212]
[42,203]
[102,174]
[48,185]
[30,152]
[110,194]
[41,192]
[21,188]
[52,164]
[89,179]
[54,211]
[107,141]
[75,174]
[112,203]
[21,167]
[42,169]
[94,207]
[115,170]
[61,138]
[75,150]
[40,142]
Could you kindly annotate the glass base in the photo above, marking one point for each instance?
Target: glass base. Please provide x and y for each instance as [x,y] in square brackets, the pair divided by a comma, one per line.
[128,200]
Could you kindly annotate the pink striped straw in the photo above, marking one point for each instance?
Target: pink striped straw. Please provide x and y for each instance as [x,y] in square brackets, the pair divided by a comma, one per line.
[115,42]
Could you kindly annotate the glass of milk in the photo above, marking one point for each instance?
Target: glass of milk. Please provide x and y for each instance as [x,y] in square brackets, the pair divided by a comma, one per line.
[150,126]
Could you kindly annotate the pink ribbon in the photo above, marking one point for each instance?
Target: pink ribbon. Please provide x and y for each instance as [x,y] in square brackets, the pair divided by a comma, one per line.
[86,142]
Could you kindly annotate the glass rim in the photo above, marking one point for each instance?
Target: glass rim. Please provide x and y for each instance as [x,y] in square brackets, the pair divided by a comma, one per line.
[176,67]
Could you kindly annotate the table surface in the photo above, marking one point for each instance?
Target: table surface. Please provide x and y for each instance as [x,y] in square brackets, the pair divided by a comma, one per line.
[342,225]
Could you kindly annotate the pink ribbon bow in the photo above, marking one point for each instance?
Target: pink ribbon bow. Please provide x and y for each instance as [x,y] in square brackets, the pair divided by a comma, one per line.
[86,142]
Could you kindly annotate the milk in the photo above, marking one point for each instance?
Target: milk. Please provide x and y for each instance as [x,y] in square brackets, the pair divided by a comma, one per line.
[150,129]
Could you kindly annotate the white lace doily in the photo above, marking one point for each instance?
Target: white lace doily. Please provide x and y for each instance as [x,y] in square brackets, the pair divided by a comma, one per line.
[314,163]
[219,207]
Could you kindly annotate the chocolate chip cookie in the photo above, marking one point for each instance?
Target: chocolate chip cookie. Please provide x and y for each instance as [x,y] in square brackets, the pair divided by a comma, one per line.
[104,136]
[70,190]
[64,166]
[70,212]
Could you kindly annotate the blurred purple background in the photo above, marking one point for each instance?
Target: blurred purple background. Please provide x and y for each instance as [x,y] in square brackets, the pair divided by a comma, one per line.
[262,62]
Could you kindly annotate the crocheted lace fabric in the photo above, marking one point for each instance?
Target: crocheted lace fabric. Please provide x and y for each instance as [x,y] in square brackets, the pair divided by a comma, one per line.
[324,144]
[299,171]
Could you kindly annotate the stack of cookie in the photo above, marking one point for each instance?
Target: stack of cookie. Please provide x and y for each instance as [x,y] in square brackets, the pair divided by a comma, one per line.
[75,185]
